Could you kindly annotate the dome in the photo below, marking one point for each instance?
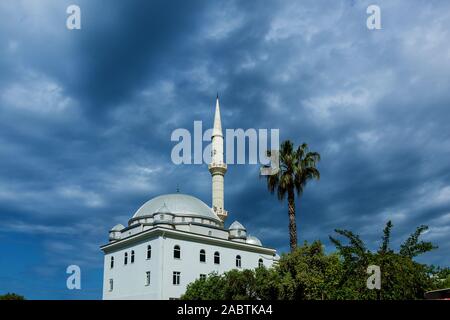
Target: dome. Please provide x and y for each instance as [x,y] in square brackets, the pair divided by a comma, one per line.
[117,227]
[115,232]
[176,204]
[253,240]
[236,226]
[237,232]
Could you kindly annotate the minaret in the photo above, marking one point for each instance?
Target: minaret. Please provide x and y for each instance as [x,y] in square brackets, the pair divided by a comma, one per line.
[217,167]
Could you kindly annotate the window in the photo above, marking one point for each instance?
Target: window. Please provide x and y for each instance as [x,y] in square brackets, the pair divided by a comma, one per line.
[149,252]
[183,219]
[125,259]
[132,256]
[202,256]
[161,217]
[203,277]
[176,252]
[176,278]
[112,262]
[260,263]
[210,233]
[239,232]
[216,257]
[238,261]
[111,284]
[147,278]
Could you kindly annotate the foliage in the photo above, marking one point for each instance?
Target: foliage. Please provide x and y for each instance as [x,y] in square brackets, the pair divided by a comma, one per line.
[412,247]
[11,296]
[309,273]
[235,285]
[440,277]
[401,276]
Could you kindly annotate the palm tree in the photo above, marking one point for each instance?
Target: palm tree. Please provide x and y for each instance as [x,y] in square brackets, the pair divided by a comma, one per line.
[297,167]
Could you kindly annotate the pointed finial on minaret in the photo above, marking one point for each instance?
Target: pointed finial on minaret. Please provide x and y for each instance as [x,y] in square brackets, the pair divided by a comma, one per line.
[217,128]
[217,97]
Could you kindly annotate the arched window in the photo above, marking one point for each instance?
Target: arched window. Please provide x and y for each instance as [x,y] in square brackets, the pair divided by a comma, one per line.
[238,261]
[202,256]
[260,263]
[176,252]
[216,257]
[149,252]
[125,259]
[112,262]
[210,233]
[132,256]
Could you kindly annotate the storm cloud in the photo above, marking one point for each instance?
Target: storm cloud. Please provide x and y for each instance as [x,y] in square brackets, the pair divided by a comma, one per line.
[86,118]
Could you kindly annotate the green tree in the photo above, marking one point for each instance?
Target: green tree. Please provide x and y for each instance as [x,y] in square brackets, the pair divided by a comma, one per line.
[11,296]
[412,247]
[401,276]
[308,273]
[211,288]
[297,167]
[440,276]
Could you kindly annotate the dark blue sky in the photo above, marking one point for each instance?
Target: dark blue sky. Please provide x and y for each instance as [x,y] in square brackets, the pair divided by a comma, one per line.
[86,118]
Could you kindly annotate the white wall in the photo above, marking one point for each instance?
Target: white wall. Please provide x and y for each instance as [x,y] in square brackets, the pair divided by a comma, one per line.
[129,280]
[190,266]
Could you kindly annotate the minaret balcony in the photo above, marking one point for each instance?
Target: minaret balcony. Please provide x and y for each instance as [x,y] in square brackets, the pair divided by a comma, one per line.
[220,168]
[221,213]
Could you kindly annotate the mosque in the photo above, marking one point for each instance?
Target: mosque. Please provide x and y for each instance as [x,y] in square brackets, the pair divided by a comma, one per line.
[174,239]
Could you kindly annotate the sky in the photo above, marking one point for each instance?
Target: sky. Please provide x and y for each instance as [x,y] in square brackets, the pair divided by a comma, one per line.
[86,118]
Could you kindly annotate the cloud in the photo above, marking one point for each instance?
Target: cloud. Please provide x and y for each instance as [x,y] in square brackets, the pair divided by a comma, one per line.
[86,116]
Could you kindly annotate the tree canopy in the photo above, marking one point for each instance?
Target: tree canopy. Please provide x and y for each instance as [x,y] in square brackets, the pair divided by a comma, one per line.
[11,296]
[309,273]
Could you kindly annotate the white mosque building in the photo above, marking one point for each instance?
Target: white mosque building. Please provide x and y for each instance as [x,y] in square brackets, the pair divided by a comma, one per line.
[174,239]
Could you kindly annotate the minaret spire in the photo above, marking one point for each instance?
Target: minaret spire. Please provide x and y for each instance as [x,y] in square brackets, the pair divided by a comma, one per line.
[217,167]
[217,129]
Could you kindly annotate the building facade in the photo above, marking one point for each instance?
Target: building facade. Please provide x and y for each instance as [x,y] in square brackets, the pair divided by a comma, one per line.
[174,239]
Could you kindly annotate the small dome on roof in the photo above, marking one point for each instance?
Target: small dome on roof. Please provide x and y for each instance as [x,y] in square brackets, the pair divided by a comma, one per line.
[253,240]
[236,226]
[117,227]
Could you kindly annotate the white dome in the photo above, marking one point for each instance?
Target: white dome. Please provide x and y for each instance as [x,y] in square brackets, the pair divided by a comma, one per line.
[236,225]
[117,227]
[176,204]
[253,240]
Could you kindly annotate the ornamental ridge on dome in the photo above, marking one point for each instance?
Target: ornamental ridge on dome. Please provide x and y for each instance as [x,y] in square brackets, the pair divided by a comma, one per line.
[163,209]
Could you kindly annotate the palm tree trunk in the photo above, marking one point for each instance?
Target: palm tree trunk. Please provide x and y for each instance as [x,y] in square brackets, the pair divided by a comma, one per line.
[292,223]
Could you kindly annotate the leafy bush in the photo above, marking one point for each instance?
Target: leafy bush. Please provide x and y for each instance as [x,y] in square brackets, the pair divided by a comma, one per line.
[308,273]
